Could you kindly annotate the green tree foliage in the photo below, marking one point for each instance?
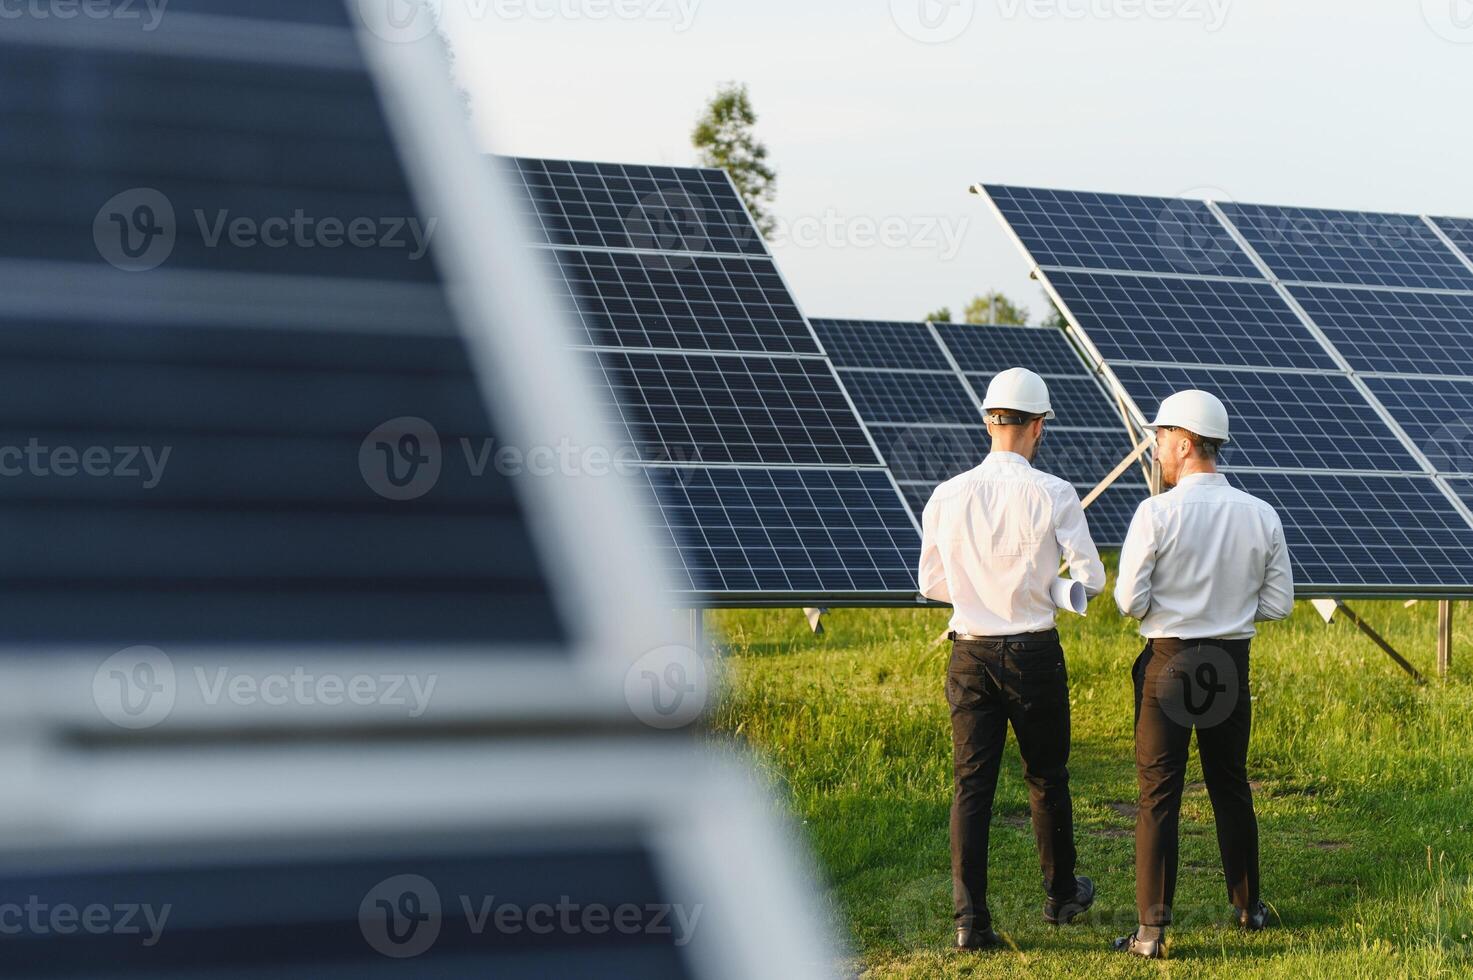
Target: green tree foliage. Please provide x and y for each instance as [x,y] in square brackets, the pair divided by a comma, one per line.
[942,315]
[726,138]
[1055,318]
[992,307]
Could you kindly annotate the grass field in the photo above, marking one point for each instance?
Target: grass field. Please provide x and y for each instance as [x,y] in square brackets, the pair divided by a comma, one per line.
[1364,795]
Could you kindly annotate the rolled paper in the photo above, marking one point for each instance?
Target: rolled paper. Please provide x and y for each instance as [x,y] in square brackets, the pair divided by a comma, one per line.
[1069,595]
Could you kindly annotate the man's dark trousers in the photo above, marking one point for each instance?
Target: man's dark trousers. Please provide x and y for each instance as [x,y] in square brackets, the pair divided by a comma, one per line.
[1172,696]
[1023,681]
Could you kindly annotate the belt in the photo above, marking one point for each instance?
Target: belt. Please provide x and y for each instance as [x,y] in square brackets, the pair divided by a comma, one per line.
[1042,635]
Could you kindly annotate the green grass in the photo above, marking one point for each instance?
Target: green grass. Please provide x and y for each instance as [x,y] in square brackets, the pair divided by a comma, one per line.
[1364,797]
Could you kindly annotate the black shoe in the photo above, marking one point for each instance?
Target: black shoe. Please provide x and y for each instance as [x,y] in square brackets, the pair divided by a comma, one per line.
[1146,949]
[976,940]
[1254,919]
[1057,913]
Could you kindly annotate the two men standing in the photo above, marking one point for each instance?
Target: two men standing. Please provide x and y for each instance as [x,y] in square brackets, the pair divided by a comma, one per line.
[1201,564]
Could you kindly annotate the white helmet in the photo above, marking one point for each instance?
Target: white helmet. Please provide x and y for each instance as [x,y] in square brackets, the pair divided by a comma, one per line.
[1196,411]
[1021,390]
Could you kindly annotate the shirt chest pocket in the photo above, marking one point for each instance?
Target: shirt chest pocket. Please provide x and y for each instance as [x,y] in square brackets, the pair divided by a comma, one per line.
[1011,525]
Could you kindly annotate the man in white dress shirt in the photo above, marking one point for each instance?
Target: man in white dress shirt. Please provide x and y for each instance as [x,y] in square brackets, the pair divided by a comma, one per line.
[992,541]
[1201,564]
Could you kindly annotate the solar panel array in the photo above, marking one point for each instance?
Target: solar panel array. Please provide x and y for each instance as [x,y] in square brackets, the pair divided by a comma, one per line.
[764,484]
[917,387]
[1342,341]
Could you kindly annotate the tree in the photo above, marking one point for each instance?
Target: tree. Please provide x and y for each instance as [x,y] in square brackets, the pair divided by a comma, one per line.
[942,315]
[992,307]
[725,137]
[1056,316]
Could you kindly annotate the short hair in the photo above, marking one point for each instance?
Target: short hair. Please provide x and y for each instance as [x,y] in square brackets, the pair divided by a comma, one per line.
[1201,445]
[1013,413]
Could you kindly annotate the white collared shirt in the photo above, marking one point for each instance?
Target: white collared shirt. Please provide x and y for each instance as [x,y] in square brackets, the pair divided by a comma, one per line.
[1204,561]
[991,543]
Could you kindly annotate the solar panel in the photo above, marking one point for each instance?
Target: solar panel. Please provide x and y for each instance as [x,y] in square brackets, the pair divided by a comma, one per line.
[1460,230]
[1109,515]
[931,454]
[679,302]
[988,350]
[1389,533]
[1354,247]
[1081,457]
[1080,230]
[1383,330]
[881,344]
[1282,420]
[253,490]
[908,396]
[771,532]
[701,408]
[1194,321]
[625,206]
[1438,415]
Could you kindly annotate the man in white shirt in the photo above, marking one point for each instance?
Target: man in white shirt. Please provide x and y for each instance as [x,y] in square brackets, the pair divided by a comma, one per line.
[1201,564]
[992,541]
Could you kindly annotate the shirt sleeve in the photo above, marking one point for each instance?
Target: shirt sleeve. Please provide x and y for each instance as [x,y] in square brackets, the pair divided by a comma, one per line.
[1137,565]
[1276,598]
[1075,544]
[932,574]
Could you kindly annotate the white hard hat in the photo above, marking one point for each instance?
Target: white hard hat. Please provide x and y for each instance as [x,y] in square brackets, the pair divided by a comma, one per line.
[1021,390]
[1196,411]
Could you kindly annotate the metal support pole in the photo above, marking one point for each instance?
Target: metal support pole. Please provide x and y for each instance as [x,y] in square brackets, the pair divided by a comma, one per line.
[1444,638]
[1380,641]
[1156,483]
[698,629]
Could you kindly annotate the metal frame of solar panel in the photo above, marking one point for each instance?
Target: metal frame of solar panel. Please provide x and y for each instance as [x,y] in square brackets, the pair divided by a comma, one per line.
[1338,338]
[766,487]
[916,386]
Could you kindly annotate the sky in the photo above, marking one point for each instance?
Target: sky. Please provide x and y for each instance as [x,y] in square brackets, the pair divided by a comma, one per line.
[879,114]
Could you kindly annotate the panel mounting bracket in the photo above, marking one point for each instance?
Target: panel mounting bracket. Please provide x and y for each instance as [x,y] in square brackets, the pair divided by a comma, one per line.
[1327,608]
[814,615]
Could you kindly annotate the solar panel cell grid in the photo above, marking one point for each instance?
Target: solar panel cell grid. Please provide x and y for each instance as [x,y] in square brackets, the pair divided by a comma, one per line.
[1082,458]
[910,397]
[1437,414]
[623,206]
[1284,421]
[1381,330]
[1391,532]
[1131,318]
[696,408]
[930,454]
[988,350]
[801,531]
[1072,229]
[1460,230]
[881,344]
[1110,515]
[694,302]
[1359,247]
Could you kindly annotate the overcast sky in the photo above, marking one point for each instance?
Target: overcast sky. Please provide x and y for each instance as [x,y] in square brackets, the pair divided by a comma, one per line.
[880,113]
